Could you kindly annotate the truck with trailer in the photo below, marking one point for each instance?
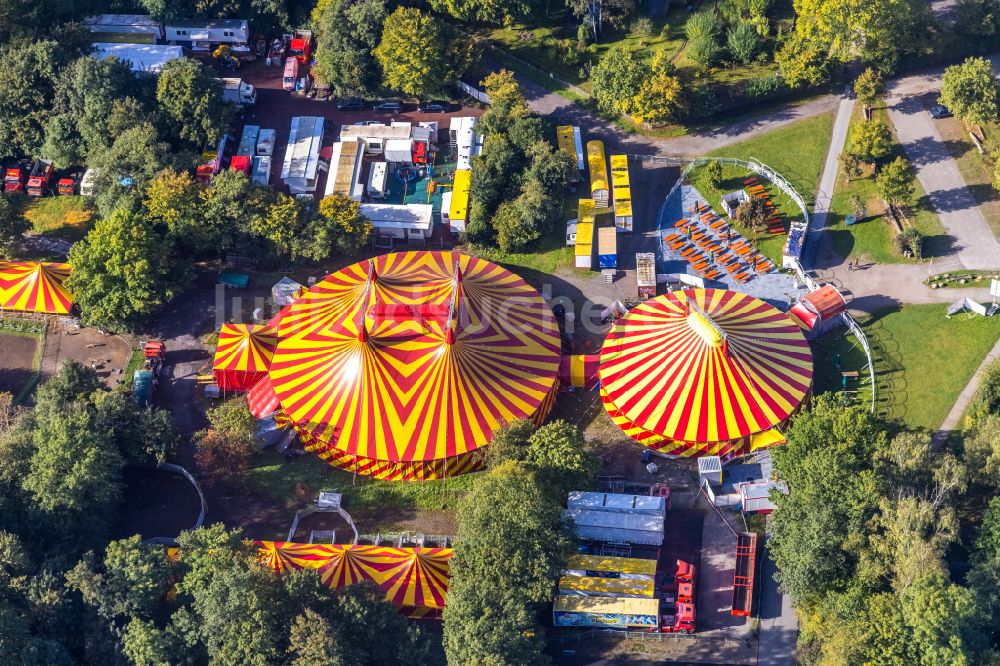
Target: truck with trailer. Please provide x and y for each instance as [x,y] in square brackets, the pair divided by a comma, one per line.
[645,274]
[145,379]
[238,92]
[300,46]
[40,178]
[677,601]
[607,250]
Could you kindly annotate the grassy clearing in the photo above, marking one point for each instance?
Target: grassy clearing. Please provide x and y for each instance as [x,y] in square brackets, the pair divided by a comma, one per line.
[796,151]
[292,481]
[67,217]
[134,363]
[976,169]
[871,239]
[923,360]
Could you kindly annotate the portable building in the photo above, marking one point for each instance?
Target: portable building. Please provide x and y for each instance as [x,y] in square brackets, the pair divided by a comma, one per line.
[376,180]
[755,497]
[458,207]
[606,566]
[617,527]
[130,28]
[248,140]
[622,190]
[585,217]
[345,170]
[300,168]
[265,142]
[142,57]
[595,586]
[607,248]
[202,34]
[654,505]
[399,151]
[598,174]
[261,173]
[408,221]
[621,612]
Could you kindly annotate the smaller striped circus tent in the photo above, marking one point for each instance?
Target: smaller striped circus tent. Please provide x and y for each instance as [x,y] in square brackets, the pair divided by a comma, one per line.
[414,580]
[28,286]
[705,372]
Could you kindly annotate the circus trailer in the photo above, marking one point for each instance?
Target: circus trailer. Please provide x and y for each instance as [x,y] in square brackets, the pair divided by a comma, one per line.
[601,586]
[261,170]
[241,163]
[202,34]
[132,28]
[376,180]
[248,140]
[743,578]
[301,166]
[605,612]
[265,142]
[653,505]
[617,527]
[607,249]
[645,274]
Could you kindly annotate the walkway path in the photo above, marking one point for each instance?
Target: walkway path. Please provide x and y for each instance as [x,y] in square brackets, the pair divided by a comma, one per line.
[972,240]
[965,397]
[828,181]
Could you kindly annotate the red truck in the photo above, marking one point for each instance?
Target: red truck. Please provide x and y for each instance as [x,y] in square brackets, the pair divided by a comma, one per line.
[14,177]
[301,46]
[677,599]
[38,181]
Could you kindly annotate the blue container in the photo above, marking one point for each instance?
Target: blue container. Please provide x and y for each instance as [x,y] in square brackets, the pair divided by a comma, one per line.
[608,260]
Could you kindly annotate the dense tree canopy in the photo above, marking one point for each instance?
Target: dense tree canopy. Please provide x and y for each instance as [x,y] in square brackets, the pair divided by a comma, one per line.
[190,98]
[969,90]
[347,33]
[418,53]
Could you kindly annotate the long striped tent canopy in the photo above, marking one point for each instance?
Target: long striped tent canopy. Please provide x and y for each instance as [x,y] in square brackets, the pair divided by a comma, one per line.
[414,357]
[243,355]
[29,286]
[702,371]
[415,580]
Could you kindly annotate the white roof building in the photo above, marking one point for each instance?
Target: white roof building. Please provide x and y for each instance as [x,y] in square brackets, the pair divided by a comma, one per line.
[401,220]
[613,526]
[301,165]
[202,34]
[142,57]
[145,28]
[618,503]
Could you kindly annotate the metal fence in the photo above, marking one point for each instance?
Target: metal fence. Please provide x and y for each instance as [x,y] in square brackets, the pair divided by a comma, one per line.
[473,92]
[863,341]
[591,634]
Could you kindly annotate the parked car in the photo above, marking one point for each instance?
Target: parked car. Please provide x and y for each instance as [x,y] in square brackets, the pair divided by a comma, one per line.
[350,104]
[388,105]
[434,106]
[939,111]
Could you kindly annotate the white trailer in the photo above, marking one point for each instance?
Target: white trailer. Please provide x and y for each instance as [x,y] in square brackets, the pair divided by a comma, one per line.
[88,183]
[399,151]
[142,57]
[376,180]
[617,503]
[239,92]
[200,35]
[617,527]
[345,170]
[301,166]
[401,221]
[265,142]
[131,28]
[261,173]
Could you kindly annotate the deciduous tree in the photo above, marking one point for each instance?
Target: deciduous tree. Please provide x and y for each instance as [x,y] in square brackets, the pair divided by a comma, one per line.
[190,99]
[871,140]
[895,182]
[123,271]
[12,226]
[618,79]
[660,100]
[28,73]
[347,33]
[419,55]
[969,90]
[868,87]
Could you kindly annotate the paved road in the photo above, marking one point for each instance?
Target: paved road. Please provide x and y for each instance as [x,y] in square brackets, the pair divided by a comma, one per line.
[971,238]
[779,627]
[693,145]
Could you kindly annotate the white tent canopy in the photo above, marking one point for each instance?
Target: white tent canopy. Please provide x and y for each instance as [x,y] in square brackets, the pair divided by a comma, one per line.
[142,57]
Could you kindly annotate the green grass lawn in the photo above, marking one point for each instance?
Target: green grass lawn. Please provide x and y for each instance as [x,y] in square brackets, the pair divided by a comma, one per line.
[923,360]
[135,362]
[796,151]
[68,217]
[871,239]
[284,481]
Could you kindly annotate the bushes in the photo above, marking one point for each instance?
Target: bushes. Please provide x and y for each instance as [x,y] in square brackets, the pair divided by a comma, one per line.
[743,42]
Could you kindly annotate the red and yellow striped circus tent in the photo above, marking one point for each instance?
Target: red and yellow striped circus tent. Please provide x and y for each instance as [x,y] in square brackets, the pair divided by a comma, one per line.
[705,372]
[402,366]
[243,355]
[29,286]
[415,580]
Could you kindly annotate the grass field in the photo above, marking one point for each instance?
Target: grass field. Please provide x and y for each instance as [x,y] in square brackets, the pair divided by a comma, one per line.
[796,151]
[871,239]
[922,360]
[272,475]
[68,217]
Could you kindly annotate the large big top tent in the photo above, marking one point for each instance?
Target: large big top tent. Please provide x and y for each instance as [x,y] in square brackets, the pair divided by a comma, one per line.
[402,366]
[415,580]
[705,372]
[29,286]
